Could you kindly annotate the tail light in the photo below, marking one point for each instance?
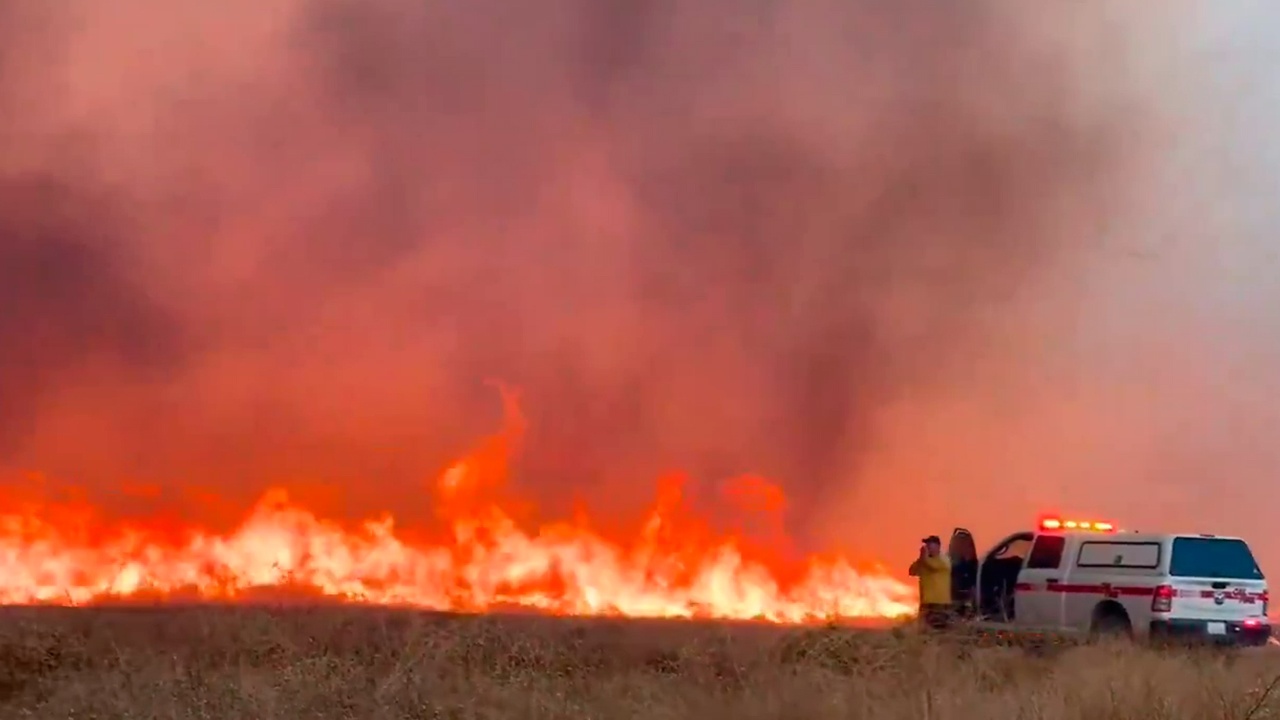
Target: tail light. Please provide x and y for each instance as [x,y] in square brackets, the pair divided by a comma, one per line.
[1162,601]
[1264,597]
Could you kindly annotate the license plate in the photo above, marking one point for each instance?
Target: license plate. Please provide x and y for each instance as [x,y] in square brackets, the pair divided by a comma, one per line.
[1217,628]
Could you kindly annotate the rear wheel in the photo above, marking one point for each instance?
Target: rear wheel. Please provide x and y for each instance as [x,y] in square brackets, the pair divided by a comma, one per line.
[1110,621]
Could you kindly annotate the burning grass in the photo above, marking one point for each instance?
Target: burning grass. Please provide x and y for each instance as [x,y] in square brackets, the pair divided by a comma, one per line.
[362,663]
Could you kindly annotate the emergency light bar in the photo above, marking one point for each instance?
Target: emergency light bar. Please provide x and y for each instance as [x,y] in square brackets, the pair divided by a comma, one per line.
[1053,523]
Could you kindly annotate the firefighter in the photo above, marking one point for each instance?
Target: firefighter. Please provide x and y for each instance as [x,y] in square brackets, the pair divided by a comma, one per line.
[934,572]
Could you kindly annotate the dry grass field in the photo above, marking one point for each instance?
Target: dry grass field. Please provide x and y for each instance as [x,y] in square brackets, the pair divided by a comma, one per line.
[348,663]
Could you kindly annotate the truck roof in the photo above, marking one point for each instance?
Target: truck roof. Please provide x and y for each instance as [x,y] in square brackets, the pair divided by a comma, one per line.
[1060,526]
[1135,534]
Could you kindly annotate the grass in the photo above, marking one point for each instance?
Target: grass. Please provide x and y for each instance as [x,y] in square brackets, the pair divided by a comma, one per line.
[346,663]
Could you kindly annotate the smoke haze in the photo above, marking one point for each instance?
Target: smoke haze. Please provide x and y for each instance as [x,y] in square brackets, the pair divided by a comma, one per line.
[924,263]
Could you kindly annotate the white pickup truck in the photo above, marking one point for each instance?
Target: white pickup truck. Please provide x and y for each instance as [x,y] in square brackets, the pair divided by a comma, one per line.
[1069,577]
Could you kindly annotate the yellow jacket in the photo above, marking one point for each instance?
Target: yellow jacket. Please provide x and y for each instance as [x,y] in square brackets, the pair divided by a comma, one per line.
[935,579]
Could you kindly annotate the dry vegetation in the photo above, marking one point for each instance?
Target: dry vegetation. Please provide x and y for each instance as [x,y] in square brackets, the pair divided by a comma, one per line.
[342,663]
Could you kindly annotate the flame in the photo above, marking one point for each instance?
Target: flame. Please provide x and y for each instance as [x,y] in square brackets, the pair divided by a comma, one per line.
[676,567]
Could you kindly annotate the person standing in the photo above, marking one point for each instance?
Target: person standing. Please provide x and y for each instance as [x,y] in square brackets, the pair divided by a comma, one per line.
[934,572]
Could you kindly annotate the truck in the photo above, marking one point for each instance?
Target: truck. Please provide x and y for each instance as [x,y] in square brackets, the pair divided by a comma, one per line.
[1087,578]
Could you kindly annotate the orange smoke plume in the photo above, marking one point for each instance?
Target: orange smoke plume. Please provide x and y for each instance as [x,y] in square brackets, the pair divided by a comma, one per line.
[676,565]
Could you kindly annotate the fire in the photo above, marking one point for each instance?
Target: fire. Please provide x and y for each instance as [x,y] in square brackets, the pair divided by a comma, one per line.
[676,567]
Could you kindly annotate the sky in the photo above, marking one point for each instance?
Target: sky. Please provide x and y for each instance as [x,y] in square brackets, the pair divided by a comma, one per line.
[923,264]
[1157,413]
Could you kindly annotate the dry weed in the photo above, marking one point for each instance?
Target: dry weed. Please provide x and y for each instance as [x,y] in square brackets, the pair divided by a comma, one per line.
[342,663]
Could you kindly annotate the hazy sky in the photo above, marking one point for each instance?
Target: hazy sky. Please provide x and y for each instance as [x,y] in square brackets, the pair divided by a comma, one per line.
[926,264]
[1158,409]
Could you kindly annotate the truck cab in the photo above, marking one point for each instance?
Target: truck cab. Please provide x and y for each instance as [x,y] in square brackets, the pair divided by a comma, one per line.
[1084,577]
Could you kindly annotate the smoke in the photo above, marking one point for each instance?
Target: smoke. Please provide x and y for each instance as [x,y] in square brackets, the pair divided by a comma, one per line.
[68,302]
[289,241]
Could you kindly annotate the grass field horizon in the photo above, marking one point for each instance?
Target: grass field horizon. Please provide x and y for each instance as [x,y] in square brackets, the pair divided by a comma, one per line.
[203,661]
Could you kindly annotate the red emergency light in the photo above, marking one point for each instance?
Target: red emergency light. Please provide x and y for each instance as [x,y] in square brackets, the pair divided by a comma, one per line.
[1055,523]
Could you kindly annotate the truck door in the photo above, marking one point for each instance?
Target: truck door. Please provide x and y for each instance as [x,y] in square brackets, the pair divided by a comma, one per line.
[998,577]
[963,555]
[1039,596]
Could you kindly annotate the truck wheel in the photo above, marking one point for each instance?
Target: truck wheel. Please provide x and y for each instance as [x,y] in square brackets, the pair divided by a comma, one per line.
[1111,621]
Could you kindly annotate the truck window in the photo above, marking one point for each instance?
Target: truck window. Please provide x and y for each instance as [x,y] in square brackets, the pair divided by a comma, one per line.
[1046,554]
[1213,558]
[1013,550]
[1133,555]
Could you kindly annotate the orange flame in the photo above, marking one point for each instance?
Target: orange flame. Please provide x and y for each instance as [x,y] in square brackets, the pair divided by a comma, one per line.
[677,567]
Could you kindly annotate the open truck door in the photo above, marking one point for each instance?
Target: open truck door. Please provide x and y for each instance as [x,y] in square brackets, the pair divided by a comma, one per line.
[998,577]
[963,553]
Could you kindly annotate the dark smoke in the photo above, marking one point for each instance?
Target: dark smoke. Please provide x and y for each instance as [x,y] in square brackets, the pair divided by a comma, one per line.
[69,303]
[718,236]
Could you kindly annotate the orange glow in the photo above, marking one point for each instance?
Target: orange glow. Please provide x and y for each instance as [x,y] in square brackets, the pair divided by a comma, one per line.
[676,566]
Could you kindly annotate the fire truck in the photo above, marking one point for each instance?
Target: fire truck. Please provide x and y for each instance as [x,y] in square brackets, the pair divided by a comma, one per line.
[1079,577]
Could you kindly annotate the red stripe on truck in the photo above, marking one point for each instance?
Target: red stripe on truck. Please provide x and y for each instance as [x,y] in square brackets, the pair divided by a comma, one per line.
[1244,596]
[1104,589]
[1248,598]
